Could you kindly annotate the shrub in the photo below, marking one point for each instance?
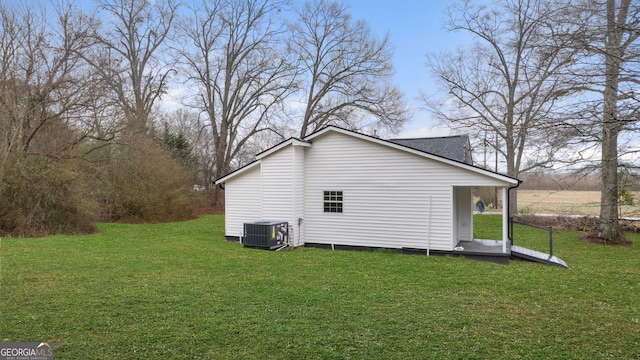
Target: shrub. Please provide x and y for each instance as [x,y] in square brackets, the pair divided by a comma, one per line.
[143,183]
[42,196]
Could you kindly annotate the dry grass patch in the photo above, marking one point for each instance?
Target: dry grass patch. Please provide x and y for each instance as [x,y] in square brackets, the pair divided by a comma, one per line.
[565,202]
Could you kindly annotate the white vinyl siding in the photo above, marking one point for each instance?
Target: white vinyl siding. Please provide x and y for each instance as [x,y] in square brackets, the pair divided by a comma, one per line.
[277,186]
[272,191]
[463,214]
[297,217]
[386,195]
[242,201]
[391,197]
[282,186]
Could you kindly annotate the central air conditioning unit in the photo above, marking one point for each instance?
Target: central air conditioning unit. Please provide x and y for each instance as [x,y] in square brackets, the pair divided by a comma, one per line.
[269,235]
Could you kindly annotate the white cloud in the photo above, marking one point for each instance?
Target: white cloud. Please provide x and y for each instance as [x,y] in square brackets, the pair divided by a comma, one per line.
[425,131]
[172,100]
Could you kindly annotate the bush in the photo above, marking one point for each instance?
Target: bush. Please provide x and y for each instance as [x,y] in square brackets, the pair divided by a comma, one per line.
[143,183]
[42,196]
[139,182]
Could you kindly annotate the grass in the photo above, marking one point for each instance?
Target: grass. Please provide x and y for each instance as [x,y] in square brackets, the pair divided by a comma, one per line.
[180,291]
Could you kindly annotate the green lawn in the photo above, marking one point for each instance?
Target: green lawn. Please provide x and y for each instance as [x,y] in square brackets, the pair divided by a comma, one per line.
[181,291]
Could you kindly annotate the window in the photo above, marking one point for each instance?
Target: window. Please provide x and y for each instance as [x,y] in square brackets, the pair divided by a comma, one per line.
[333,201]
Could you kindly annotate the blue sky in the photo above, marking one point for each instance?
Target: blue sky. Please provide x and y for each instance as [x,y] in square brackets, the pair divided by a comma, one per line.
[415,28]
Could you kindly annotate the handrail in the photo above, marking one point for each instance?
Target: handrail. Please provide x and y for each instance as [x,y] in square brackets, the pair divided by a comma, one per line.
[550,228]
[511,229]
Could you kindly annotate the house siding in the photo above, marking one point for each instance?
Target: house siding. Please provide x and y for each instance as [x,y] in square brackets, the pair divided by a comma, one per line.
[272,191]
[464,214]
[242,194]
[392,197]
[283,189]
[386,195]
[277,186]
[297,217]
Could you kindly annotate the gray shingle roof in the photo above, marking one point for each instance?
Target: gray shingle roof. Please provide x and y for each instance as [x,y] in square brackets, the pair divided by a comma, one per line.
[451,147]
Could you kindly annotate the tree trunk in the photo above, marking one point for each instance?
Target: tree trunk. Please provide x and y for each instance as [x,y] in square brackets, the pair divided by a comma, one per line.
[609,226]
[513,202]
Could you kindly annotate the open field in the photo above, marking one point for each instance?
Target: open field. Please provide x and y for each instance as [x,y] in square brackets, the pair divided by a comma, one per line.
[567,202]
[180,291]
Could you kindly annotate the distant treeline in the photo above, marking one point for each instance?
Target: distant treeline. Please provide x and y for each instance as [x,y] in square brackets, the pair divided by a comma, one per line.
[571,181]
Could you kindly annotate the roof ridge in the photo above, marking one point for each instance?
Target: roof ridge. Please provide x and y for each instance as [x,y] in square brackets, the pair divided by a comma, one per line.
[433,137]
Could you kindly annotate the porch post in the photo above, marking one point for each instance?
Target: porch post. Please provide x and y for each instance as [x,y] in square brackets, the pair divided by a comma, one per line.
[505,219]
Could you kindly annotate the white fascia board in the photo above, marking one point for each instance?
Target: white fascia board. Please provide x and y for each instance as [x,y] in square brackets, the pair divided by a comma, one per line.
[237,172]
[289,142]
[494,175]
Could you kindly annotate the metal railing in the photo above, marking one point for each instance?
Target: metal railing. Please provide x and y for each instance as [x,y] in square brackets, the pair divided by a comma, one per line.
[550,229]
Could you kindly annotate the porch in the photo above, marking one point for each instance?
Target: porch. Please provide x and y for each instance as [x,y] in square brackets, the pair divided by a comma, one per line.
[494,251]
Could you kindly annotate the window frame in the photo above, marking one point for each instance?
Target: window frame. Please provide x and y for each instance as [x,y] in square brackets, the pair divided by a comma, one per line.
[332,201]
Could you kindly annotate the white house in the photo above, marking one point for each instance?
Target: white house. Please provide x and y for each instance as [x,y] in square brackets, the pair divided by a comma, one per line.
[339,187]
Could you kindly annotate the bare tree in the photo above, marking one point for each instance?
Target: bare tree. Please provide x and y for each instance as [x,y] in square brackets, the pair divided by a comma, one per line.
[43,79]
[345,71]
[238,73]
[128,54]
[44,86]
[610,107]
[622,32]
[507,85]
[11,119]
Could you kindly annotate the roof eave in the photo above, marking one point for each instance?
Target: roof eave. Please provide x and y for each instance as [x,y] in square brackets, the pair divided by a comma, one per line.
[289,142]
[235,173]
[495,175]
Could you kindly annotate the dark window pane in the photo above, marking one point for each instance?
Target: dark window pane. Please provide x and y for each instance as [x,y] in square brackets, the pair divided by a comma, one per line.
[332,201]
